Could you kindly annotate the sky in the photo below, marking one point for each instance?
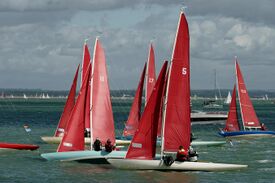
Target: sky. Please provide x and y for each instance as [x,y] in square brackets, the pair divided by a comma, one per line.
[41,41]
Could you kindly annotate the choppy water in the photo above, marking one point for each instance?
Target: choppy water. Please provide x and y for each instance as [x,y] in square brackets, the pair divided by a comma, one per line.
[43,115]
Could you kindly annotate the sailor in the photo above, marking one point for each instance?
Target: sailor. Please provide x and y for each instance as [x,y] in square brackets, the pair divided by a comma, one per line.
[87,133]
[108,146]
[97,145]
[182,155]
[263,127]
[192,154]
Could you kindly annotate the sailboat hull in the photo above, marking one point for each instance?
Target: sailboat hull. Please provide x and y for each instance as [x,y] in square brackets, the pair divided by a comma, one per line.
[57,140]
[18,146]
[134,164]
[247,134]
[100,156]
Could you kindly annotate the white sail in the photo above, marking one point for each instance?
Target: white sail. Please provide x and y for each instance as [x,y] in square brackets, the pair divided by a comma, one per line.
[228,98]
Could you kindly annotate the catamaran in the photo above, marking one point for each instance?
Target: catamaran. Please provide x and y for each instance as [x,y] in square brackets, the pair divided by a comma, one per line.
[135,111]
[100,116]
[176,124]
[251,124]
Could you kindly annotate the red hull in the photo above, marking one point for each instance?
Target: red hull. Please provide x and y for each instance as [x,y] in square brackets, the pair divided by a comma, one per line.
[18,146]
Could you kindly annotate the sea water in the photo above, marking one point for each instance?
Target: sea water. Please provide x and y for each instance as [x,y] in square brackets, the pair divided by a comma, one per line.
[42,116]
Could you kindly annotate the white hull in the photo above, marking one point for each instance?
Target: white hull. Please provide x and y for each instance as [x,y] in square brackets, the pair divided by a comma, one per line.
[176,166]
[57,140]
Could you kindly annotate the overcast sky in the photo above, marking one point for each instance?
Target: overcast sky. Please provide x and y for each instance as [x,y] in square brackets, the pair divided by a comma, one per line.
[41,40]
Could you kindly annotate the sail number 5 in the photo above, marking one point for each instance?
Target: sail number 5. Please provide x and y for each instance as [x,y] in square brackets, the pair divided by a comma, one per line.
[184,71]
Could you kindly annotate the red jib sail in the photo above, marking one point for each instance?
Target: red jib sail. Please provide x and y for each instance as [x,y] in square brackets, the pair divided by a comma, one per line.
[134,116]
[73,139]
[69,105]
[102,121]
[249,117]
[232,123]
[143,145]
[85,63]
[177,106]
[150,74]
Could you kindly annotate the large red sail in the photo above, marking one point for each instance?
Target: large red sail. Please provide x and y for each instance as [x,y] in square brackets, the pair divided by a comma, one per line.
[150,74]
[177,109]
[85,63]
[73,139]
[69,105]
[232,123]
[102,121]
[143,145]
[249,117]
[134,116]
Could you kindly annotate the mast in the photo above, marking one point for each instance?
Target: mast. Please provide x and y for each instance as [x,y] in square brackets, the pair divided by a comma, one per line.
[91,96]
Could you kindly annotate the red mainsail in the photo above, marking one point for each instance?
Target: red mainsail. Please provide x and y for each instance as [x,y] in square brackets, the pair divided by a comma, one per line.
[73,139]
[150,74]
[134,116]
[69,105]
[232,123]
[143,144]
[102,121]
[177,125]
[249,117]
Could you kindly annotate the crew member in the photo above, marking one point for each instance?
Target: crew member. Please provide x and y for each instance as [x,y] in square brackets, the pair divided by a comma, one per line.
[182,155]
[97,145]
[108,146]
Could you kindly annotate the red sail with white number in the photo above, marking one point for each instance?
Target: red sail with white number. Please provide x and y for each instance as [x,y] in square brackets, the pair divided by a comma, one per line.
[232,122]
[102,121]
[69,105]
[150,74]
[143,144]
[135,112]
[177,124]
[249,117]
[73,139]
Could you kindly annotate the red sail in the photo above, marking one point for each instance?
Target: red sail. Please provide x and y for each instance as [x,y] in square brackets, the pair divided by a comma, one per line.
[134,116]
[150,74]
[69,105]
[162,104]
[102,121]
[143,145]
[249,117]
[85,62]
[232,123]
[73,139]
[177,109]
